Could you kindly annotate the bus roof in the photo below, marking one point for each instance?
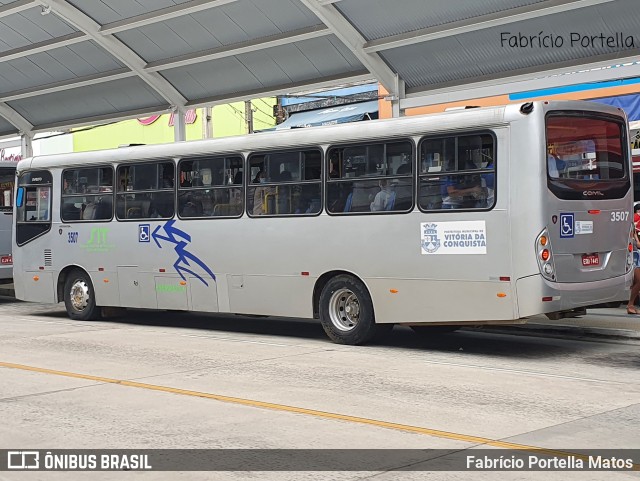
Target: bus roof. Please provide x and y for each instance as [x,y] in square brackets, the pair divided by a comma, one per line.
[476,119]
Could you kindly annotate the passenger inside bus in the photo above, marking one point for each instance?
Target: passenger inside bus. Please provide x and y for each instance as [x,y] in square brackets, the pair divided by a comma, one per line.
[384,199]
[259,194]
[461,191]
[557,166]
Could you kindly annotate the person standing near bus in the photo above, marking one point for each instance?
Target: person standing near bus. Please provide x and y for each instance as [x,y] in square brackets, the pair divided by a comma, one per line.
[635,291]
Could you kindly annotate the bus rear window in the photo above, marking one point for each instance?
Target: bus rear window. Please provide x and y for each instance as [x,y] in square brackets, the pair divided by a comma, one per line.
[583,148]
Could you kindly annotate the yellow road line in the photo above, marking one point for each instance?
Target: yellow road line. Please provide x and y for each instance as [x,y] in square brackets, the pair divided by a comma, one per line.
[298,410]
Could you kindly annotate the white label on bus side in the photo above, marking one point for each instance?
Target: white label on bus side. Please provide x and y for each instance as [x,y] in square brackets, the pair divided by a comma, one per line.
[459,237]
[584,227]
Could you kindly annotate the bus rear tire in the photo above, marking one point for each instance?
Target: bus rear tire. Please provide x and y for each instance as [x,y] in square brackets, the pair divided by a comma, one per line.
[346,312]
[79,297]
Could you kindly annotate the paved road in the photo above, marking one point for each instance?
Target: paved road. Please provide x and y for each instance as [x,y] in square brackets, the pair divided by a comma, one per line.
[172,380]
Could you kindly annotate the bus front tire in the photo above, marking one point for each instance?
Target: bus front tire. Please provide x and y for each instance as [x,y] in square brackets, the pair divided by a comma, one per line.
[346,312]
[79,297]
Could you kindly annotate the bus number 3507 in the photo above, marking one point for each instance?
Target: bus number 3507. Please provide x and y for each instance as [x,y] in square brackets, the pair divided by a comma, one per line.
[619,216]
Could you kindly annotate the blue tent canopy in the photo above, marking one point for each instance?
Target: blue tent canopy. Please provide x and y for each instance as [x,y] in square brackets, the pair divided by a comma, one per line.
[338,114]
[629,103]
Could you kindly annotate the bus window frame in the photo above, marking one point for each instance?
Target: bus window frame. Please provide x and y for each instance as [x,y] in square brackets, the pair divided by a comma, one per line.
[113,195]
[242,186]
[135,164]
[456,136]
[273,184]
[326,180]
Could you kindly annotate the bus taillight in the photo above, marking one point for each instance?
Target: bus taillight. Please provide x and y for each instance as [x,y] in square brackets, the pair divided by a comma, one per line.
[630,248]
[545,256]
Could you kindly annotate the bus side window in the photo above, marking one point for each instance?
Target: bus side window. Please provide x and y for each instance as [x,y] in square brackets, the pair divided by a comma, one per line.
[87,194]
[289,183]
[211,187]
[369,178]
[468,162]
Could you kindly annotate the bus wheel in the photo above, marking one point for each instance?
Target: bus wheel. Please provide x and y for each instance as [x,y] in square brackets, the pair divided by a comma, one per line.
[427,331]
[79,297]
[346,311]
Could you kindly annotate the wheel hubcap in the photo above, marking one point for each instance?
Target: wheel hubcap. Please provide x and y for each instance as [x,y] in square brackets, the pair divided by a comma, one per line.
[344,310]
[79,295]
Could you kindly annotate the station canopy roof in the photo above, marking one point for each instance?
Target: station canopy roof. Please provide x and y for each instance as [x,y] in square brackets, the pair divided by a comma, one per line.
[66,63]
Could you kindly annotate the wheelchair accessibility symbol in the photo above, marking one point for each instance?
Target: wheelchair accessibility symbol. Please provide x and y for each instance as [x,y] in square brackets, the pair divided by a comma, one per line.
[144,233]
[566,226]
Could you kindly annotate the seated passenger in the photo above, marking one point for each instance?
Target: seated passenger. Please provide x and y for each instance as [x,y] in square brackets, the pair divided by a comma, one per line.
[383,198]
[463,192]
[405,168]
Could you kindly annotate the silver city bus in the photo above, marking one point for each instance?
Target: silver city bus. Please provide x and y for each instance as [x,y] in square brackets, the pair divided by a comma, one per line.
[481,216]
[7,191]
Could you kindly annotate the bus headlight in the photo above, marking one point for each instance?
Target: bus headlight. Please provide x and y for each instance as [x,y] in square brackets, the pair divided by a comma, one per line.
[544,255]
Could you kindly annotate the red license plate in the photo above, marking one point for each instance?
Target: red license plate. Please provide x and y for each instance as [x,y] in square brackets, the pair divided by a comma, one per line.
[6,260]
[590,260]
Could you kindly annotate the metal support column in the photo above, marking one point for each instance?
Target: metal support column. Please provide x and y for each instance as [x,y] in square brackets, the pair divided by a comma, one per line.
[207,123]
[179,125]
[248,116]
[26,145]
[396,97]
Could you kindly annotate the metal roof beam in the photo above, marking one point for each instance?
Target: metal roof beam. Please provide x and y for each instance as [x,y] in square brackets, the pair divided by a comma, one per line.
[605,67]
[17,7]
[22,124]
[38,47]
[119,50]
[240,48]
[289,88]
[341,27]
[518,14]
[162,14]
[67,84]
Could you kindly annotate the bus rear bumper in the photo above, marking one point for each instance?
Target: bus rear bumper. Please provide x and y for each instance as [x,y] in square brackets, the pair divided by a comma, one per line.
[536,295]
